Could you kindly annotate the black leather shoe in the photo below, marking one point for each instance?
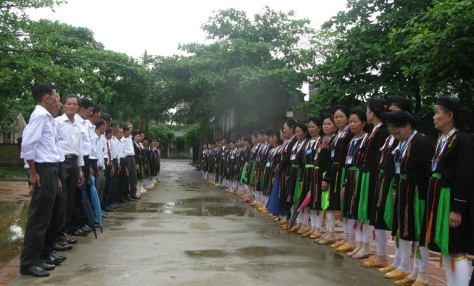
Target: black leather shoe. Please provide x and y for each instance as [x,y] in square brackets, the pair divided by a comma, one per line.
[104,215]
[136,198]
[47,267]
[128,199]
[79,233]
[87,228]
[107,209]
[71,241]
[51,260]
[34,271]
[55,255]
[61,247]
[112,206]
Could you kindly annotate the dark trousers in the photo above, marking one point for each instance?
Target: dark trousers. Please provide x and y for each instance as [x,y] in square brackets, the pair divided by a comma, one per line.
[69,178]
[39,214]
[132,168]
[78,218]
[112,190]
[123,188]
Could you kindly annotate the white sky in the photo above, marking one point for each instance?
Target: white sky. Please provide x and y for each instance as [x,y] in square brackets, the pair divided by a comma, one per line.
[160,26]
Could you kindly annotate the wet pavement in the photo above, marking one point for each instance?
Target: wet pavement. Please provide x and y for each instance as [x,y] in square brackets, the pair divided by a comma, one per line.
[186,232]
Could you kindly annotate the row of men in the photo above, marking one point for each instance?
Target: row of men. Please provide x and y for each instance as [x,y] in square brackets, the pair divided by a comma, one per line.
[66,157]
[386,179]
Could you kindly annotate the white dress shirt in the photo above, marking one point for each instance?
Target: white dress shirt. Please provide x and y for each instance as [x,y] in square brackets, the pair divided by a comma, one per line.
[85,134]
[40,138]
[114,148]
[70,138]
[129,150]
[96,151]
[121,147]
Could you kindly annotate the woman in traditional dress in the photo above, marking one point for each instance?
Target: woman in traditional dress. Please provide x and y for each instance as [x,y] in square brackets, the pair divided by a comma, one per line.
[283,168]
[316,163]
[324,158]
[382,203]
[333,178]
[369,171]
[446,227]
[269,173]
[412,168]
[350,193]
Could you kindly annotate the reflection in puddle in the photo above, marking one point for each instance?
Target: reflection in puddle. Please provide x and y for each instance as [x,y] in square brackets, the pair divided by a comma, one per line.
[205,206]
[206,253]
[13,217]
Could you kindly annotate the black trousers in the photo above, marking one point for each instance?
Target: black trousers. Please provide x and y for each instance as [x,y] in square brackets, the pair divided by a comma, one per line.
[39,214]
[69,178]
[78,218]
[123,188]
[132,168]
[112,189]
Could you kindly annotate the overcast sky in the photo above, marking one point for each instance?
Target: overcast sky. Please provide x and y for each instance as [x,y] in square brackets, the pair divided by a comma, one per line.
[160,26]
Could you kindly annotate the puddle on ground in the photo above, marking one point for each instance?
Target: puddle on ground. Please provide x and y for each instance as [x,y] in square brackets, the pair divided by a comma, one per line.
[13,217]
[208,253]
[204,206]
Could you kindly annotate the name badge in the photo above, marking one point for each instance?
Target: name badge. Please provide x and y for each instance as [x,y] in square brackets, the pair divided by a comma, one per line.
[316,156]
[232,157]
[381,159]
[434,164]
[308,152]
[268,164]
[333,153]
[397,168]
[293,157]
[349,160]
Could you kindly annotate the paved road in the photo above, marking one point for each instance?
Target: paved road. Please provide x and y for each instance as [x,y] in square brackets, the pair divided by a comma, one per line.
[187,232]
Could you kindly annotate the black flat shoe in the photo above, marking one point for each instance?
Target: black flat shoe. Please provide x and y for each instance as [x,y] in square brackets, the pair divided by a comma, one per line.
[55,255]
[61,247]
[35,271]
[87,228]
[47,267]
[51,260]
[71,241]
[79,233]
[135,198]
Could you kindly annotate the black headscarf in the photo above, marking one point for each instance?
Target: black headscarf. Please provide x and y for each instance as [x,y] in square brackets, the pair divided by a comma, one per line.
[400,102]
[459,111]
[400,118]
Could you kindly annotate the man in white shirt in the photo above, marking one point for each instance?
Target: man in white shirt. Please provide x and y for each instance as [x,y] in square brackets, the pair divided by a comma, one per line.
[70,140]
[97,158]
[86,110]
[122,191]
[130,157]
[40,148]
[115,166]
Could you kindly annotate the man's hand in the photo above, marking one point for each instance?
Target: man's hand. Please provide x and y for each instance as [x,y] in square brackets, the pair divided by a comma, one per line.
[81,179]
[112,171]
[60,188]
[455,219]
[34,182]
[324,186]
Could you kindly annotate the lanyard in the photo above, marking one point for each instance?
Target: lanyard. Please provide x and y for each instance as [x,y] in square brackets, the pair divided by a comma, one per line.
[442,143]
[403,146]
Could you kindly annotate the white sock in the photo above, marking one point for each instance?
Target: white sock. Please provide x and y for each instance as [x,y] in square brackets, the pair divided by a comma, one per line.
[425,256]
[350,228]
[405,252]
[330,222]
[319,218]
[299,219]
[312,216]
[449,271]
[359,235]
[397,260]
[461,272]
[345,225]
[367,233]
[381,239]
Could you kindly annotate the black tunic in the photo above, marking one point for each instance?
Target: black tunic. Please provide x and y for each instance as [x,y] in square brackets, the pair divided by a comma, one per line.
[456,165]
[415,174]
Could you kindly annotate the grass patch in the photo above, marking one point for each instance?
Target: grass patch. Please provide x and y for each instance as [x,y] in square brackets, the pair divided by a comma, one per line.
[14,172]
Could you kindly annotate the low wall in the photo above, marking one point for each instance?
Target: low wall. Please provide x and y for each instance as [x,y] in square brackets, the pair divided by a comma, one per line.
[10,155]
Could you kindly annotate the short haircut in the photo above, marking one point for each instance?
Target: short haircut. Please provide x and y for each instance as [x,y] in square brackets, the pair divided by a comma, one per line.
[95,108]
[106,117]
[125,128]
[99,123]
[108,130]
[85,103]
[42,89]
[114,123]
[70,96]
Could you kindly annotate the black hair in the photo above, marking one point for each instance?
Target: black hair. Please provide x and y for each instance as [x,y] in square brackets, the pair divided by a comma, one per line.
[378,106]
[70,96]
[108,130]
[344,109]
[106,117]
[125,127]
[399,118]
[400,102]
[114,123]
[330,117]
[318,122]
[362,117]
[248,138]
[255,134]
[85,103]
[277,134]
[268,131]
[303,127]
[290,122]
[99,123]
[42,89]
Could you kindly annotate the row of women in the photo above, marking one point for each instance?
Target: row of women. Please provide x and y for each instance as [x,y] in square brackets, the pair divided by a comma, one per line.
[147,157]
[388,179]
